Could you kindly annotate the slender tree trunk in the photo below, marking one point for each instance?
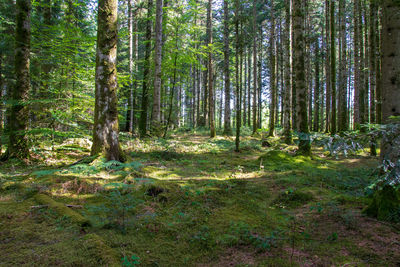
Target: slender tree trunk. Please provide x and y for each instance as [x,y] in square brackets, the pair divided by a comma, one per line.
[333,66]
[227,113]
[288,85]
[105,130]
[372,58]
[129,119]
[301,90]
[249,88]
[254,66]
[146,72]
[156,116]
[357,65]
[18,141]
[211,100]
[342,116]
[378,71]
[328,68]
[317,97]
[237,44]
[390,76]
[273,70]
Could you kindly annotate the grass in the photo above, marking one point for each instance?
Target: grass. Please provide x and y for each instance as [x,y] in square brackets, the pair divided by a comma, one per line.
[193,201]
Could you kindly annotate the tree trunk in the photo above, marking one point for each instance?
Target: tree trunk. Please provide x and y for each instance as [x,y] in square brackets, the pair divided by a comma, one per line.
[237,44]
[372,58]
[18,141]
[227,112]
[287,123]
[333,67]
[327,68]
[156,116]
[390,147]
[105,130]
[301,90]
[273,80]
[129,113]
[146,72]
[254,66]
[342,116]
[317,97]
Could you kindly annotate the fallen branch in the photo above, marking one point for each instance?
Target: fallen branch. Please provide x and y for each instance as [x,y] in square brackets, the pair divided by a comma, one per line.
[67,205]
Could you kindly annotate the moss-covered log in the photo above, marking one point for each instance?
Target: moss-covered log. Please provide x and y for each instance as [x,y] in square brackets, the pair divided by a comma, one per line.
[62,210]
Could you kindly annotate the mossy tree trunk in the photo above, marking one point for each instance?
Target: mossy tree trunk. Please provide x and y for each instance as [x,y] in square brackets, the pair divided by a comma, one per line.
[300,83]
[105,130]
[18,142]
[390,148]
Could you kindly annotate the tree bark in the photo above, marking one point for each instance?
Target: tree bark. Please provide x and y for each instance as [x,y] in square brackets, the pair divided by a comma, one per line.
[287,123]
[273,70]
[342,114]
[156,116]
[146,72]
[301,90]
[390,147]
[254,66]
[333,66]
[105,130]
[227,111]
[18,142]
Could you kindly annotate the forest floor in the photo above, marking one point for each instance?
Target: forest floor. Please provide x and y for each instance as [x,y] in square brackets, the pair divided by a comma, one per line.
[191,201]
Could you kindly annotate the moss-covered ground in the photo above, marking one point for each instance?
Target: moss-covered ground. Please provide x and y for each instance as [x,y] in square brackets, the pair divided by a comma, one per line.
[191,201]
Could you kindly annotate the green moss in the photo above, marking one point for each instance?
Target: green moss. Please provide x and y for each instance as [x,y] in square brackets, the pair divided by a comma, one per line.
[385,204]
[293,198]
[62,210]
[96,247]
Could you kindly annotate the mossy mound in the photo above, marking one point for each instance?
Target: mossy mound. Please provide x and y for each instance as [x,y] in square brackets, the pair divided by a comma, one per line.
[105,255]
[62,210]
[385,205]
[293,198]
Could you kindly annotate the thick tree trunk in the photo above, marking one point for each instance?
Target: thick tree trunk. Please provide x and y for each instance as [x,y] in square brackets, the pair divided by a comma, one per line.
[105,130]
[390,147]
[18,142]
[146,72]
[301,90]
[156,116]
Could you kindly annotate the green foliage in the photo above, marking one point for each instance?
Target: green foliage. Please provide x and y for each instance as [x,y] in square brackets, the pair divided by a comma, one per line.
[117,211]
[130,262]
[293,198]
